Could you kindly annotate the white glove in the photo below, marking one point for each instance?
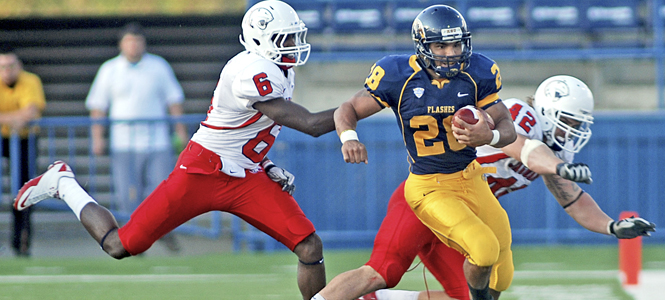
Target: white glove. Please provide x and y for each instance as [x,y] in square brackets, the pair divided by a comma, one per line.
[279,175]
[630,228]
[577,172]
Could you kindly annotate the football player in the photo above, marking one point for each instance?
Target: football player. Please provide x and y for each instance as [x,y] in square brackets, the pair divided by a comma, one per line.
[446,187]
[552,126]
[224,167]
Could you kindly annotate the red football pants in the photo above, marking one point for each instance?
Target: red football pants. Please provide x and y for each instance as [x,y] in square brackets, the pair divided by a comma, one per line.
[196,186]
[402,236]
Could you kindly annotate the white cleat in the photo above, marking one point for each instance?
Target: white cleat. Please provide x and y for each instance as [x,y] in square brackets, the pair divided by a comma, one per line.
[42,187]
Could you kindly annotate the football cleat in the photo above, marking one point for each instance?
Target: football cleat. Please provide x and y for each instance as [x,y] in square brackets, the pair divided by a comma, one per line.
[43,186]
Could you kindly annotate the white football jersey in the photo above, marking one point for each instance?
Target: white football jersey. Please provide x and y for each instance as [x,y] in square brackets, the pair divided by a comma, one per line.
[233,129]
[511,174]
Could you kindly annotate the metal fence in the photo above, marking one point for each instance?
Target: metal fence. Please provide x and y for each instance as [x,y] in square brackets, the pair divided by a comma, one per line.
[347,202]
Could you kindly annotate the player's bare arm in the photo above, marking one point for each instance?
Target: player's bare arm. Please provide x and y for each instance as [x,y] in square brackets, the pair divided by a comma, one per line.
[540,159]
[565,191]
[360,106]
[577,203]
[584,209]
[295,116]
[503,122]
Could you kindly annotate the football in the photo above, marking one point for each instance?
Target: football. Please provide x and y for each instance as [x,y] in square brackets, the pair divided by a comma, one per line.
[470,114]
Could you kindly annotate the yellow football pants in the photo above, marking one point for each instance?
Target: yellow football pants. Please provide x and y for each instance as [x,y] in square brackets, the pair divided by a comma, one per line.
[462,211]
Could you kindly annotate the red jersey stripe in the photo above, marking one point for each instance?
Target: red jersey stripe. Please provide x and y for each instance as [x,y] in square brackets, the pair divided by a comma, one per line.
[251,120]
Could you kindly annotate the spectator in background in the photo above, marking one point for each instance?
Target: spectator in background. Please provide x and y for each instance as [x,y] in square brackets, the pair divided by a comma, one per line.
[21,101]
[133,87]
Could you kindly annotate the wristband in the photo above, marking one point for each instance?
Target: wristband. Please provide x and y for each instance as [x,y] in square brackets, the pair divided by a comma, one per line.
[267,164]
[348,135]
[496,136]
[610,227]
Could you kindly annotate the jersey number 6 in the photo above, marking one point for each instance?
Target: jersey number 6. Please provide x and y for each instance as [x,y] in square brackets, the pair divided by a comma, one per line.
[262,84]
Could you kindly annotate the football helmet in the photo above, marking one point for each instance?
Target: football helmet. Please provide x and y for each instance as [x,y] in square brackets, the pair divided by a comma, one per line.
[564,96]
[273,30]
[441,23]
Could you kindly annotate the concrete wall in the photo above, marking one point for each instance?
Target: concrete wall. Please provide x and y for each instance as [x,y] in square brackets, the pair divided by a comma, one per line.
[616,84]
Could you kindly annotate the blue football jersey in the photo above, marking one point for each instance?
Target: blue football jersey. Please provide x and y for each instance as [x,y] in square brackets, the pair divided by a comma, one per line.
[424,107]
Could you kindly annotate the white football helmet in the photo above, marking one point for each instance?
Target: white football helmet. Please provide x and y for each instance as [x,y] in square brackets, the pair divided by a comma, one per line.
[568,97]
[267,26]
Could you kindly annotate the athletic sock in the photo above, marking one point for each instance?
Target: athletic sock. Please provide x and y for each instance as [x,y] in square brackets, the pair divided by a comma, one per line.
[396,295]
[482,294]
[74,195]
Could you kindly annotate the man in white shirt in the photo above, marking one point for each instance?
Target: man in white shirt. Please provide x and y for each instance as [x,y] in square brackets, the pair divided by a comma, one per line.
[131,89]
[135,85]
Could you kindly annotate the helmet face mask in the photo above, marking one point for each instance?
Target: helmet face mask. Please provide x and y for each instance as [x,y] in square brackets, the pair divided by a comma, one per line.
[564,108]
[289,48]
[273,30]
[441,24]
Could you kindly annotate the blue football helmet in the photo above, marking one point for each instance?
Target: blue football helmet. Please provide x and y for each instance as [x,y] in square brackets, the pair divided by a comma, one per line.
[441,23]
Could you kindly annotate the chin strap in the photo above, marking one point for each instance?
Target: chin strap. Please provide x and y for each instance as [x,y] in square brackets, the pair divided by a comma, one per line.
[551,144]
[287,60]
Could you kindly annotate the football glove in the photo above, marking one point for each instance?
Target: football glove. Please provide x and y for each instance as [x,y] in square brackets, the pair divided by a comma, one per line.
[631,228]
[577,172]
[279,175]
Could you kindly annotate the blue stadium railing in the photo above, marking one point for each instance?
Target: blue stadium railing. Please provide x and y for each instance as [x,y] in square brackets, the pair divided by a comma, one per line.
[51,130]
[347,202]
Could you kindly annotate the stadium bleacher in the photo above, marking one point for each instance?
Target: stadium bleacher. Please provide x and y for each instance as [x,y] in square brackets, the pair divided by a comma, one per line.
[525,24]
[67,52]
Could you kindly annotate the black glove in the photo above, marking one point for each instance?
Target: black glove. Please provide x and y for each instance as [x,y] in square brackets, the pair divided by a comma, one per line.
[631,228]
[577,172]
[279,175]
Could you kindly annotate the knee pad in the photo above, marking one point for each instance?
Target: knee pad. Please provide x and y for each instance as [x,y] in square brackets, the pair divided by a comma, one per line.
[390,267]
[481,245]
[502,272]
[392,273]
[134,241]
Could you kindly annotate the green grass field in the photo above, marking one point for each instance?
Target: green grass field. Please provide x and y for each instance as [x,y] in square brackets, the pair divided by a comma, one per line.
[576,273]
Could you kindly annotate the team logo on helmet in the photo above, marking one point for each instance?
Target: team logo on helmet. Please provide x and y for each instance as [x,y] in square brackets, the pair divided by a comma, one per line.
[260,18]
[418,30]
[556,90]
